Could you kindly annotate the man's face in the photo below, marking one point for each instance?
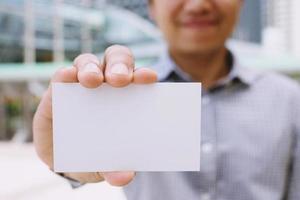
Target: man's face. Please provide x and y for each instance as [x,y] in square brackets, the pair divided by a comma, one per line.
[195,26]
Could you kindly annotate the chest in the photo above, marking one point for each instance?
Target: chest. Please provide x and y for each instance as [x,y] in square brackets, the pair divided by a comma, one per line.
[241,131]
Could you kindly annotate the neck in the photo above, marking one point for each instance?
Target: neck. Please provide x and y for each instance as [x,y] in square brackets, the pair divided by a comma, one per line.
[206,68]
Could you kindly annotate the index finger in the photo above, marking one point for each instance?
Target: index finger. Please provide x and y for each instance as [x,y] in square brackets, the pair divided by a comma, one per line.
[89,70]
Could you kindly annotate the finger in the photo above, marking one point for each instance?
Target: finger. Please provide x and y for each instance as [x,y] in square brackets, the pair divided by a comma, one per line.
[118,178]
[119,66]
[144,76]
[89,68]
[86,177]
[65,75]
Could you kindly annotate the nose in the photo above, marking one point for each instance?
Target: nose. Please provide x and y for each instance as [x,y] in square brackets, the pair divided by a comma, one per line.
[198,5]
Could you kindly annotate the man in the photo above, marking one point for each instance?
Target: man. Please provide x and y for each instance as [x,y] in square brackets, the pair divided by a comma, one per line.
[250,125]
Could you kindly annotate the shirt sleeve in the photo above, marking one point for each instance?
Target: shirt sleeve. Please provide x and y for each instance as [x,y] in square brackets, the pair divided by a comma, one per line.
[73,183]
[294,184]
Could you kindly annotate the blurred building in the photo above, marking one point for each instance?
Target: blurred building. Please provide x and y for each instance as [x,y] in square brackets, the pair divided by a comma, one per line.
[281,25]
[250,24]
[137,6]
[58,30]
[47,30]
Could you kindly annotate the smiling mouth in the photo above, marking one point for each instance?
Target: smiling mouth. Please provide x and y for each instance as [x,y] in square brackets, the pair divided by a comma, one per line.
[199,24]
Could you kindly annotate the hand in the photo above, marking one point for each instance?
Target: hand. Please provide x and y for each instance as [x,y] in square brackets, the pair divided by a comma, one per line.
[116,69]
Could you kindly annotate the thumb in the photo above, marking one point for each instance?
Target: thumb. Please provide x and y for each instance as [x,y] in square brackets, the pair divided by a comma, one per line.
[118,178]
[42,122]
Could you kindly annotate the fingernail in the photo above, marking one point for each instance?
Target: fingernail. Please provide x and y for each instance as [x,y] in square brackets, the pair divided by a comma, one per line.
[119,69]
[91,68]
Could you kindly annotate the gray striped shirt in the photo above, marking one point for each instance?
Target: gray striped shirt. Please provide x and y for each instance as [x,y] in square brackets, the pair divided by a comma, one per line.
[250,141]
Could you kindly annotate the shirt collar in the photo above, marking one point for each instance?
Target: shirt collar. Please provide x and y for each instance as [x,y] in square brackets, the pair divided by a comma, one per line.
[166,65]
[245,75]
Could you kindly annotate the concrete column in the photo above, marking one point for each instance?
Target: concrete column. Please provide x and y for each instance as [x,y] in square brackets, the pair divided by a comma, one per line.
[29,36]
[86,37]
[58,32]
[295,25]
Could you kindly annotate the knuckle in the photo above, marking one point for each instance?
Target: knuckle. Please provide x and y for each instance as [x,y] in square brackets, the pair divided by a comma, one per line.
[121,59]
[59,73]
[118,49]
[60,70]
[97,176]
[86,57]
[119,54]
[91,177]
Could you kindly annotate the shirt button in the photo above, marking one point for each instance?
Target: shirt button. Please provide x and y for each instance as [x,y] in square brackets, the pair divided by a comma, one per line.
[205,197]
[207,147]
[205,100]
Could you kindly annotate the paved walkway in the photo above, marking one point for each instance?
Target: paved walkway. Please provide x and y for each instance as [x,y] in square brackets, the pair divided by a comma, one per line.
[24,177]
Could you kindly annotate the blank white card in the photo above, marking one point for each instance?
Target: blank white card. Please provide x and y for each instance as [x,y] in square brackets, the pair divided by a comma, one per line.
[140,127]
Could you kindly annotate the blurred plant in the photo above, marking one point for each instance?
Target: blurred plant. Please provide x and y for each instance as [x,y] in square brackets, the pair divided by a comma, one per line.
[13,110]
[13,106]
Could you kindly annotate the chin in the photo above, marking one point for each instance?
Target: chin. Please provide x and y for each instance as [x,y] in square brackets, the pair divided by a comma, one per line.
[199,48]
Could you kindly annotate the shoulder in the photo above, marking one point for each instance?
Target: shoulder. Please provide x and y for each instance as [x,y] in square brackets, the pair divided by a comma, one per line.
[274,89]
[276,82]
[280,91]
